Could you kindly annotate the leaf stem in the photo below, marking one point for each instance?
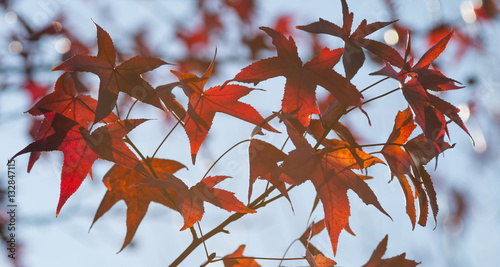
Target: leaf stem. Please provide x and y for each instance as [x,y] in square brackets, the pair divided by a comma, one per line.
[370,86]
[128,141]
[375,98]
[203,240]
[260,258]
[264,203]
[286,251]
[164,139]
[221,156]
[343,112]
[150,167]
[130,109]
[367,145]
[117,111]
[330,127]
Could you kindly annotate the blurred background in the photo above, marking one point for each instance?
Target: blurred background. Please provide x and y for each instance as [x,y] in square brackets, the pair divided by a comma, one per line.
[38,35]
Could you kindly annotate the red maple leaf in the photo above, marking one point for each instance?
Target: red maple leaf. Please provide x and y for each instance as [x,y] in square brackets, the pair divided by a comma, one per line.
[398,160]
[203,104]
[125,184]
[429,109]
[329,170]
[82,148]
[314,256]
[377,261]
[406,159]
[64,101]
[429,78]
[190,201]
[312,230]
[114,79]
[236,259]
[302,79]
[264,159]
[319,260]
[354,56]
[421,151]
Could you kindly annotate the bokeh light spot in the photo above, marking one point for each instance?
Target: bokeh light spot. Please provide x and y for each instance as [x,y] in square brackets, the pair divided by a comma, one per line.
[391,37]
[468,13]
[15,47]
[62,45]
[464,112]
[11,17]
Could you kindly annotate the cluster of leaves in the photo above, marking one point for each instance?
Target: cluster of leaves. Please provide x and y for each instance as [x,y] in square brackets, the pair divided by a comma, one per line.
[333,166]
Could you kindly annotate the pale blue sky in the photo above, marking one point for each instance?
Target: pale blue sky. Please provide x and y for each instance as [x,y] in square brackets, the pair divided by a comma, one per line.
[65,241]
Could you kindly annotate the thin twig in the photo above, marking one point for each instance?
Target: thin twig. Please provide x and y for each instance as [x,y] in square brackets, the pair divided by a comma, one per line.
[375,98]
[261,258]
[221,156]
[330,127]
[203,240]
[370,86]
[130,109]
[164,139]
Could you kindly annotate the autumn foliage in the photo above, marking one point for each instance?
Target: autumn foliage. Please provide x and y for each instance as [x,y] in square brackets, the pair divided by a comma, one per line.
[324,151]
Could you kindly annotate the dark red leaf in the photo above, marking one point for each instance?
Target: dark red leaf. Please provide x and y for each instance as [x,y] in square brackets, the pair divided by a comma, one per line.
[377,261]
[264,159]
[354,57]
[427,117]
[114,79]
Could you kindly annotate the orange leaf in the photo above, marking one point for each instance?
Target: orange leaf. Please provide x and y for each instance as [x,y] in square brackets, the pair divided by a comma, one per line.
[319,260]
[409,163]
[125,184]
[330,172]
[398,160]
[235,259]
[313,256]
[190,201]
